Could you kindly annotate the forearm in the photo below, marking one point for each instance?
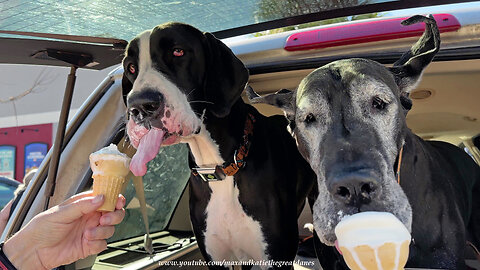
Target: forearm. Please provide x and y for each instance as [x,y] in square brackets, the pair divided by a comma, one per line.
[21,253]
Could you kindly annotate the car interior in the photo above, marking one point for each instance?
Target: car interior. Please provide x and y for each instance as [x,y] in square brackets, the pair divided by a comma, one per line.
[445,103]
[445,107]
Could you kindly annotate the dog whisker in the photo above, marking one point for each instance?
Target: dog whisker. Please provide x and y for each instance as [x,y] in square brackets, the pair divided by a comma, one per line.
[188,95]
[200,101]
[203,117]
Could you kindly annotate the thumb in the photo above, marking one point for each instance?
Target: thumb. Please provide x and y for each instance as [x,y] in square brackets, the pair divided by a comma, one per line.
[76,209]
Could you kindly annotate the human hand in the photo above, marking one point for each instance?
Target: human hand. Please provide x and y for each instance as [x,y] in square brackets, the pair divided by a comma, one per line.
[4,215]
[64,233]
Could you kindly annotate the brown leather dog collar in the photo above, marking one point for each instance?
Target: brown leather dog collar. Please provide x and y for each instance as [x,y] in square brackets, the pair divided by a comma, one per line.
[219,172]
[399,164]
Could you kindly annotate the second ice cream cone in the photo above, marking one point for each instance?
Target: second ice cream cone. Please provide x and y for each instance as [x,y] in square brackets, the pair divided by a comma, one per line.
[373,241]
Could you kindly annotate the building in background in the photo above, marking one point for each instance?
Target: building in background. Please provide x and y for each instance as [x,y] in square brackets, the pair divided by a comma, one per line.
[28,123]
[23,148]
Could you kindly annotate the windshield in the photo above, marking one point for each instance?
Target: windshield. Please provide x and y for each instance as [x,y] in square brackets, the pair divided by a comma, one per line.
[125,19]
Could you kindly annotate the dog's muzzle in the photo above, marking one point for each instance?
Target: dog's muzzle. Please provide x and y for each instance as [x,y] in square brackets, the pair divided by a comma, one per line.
[146,107]
[354,188]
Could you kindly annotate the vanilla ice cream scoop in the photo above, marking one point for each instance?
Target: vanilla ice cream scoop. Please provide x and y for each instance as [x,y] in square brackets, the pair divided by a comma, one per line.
[373,241]
[110,168]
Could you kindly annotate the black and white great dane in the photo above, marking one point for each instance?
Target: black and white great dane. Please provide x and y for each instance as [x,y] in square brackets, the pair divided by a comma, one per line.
[184,86]
[348,119]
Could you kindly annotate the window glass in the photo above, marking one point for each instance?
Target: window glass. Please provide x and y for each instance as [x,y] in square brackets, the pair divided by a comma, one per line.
[121,19]
[164,183]
[6,194]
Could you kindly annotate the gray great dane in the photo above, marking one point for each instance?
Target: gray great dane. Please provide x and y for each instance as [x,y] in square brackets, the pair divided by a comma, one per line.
[348,119]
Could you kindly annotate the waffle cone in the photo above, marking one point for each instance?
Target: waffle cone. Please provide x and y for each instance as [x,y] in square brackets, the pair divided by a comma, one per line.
[389,256]
[110,187]
[373,241]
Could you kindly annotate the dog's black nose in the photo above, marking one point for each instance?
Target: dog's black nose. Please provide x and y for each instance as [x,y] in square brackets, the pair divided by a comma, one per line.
[354,189]
[144,104]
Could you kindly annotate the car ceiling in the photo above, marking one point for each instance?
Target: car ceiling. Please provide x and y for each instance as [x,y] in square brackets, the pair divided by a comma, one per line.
[83,26]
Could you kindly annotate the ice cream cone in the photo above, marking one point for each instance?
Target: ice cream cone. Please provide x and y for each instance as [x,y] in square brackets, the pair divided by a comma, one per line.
[373,241]
[110,187]
[110,167]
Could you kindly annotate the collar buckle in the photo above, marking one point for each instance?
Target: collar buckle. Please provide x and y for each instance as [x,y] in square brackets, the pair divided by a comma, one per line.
[211,174]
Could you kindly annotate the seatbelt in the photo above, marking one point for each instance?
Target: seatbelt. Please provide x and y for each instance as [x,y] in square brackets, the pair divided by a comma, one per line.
[125,147]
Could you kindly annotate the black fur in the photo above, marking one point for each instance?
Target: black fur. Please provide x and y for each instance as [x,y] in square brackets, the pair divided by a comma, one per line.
[276,180]
[440,181]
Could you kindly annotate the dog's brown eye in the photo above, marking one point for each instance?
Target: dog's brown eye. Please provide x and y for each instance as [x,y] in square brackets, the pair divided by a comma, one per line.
[310,118]
[178,52]
[378,103]
[132,68]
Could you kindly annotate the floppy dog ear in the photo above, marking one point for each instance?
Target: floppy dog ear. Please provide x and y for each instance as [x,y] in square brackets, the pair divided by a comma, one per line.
[126,88]
[283,99]
[226,77]
[408,69]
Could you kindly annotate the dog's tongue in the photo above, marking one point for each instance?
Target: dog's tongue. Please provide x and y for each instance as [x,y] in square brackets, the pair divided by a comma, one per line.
[146,151]
[337,247]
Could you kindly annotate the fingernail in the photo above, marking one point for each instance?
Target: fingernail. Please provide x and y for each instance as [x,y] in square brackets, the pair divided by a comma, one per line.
[97,199]
[106,220]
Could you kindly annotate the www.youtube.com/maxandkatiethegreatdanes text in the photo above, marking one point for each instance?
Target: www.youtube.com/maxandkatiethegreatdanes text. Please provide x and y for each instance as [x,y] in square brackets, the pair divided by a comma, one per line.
[268,263]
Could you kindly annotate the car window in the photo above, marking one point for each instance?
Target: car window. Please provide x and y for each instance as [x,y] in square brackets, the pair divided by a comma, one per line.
[120,19]
[164,183]
[6,194]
